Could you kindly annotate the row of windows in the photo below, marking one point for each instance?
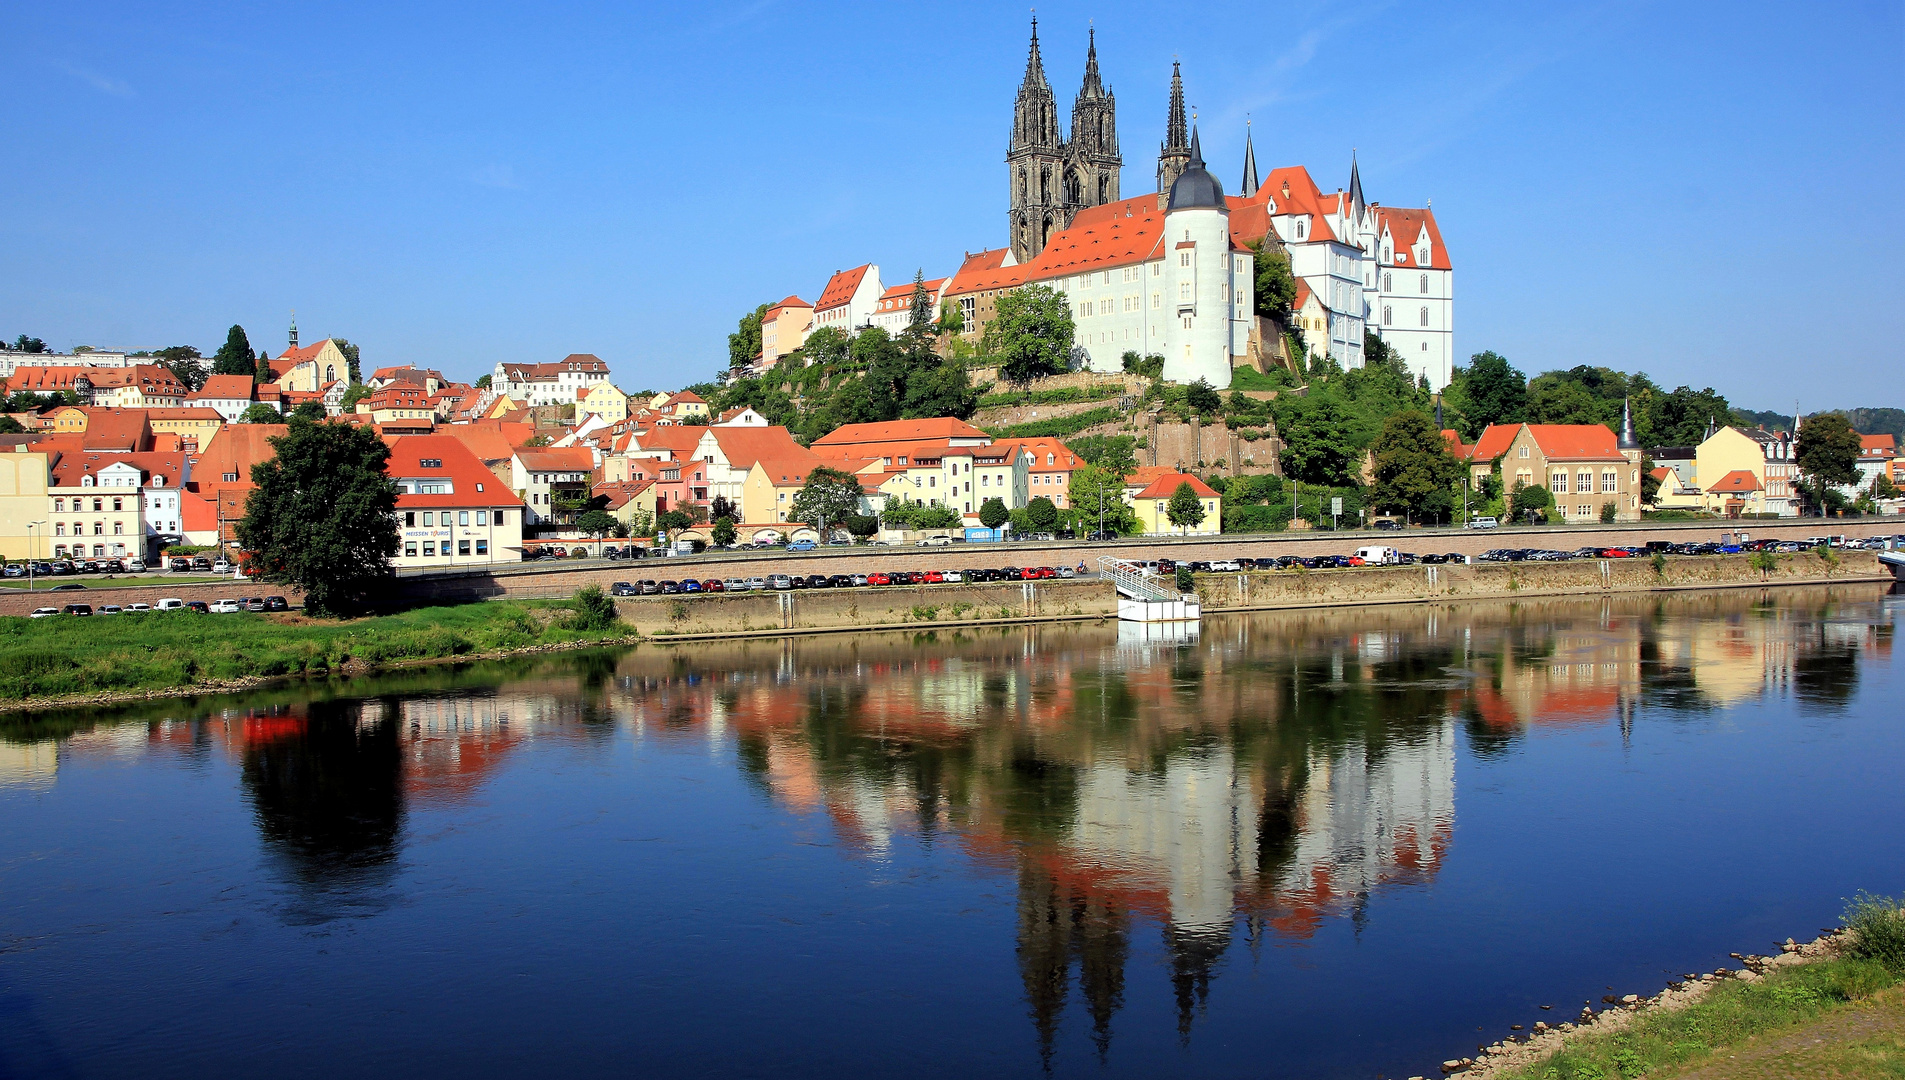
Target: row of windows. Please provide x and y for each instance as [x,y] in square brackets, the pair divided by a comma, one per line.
[59,505]
[1389,316]
[1389,283]
[430,548]
[99,528]
[1583,481]
[79,551]
[462,517]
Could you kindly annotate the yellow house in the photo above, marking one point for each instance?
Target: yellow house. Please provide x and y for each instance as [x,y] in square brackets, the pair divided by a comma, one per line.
[604,400]
[188,422]
[1674,495]
[501,407]
[1152,505]
[23,491]
[631,502]
[768,494]
[311,368]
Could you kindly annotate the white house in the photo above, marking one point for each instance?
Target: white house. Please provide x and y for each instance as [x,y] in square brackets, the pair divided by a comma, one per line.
[1411,298]
[549,384]
[850,300]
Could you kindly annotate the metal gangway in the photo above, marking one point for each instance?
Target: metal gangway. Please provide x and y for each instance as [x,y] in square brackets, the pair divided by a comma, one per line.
[1143,597]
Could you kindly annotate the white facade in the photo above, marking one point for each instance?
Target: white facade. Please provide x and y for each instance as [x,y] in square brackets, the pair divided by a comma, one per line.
[852,304]
[1411,297]
[549,384]
[11,360]
[1333,269]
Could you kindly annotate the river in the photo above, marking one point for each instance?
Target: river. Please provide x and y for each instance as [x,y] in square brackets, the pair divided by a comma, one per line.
[1337,843]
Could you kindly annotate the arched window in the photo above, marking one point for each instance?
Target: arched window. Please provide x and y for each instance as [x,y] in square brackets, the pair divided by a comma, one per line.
[1425,316]
[1425,284]
[1299,229]
[1388,316]
[1388,283]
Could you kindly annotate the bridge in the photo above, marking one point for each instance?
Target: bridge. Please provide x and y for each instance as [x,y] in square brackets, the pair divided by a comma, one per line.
[1143,597]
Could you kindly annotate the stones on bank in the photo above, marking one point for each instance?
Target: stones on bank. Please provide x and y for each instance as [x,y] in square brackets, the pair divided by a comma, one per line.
[1620,1013]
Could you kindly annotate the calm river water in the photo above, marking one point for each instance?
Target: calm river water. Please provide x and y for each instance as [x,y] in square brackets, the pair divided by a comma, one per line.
[1341,843]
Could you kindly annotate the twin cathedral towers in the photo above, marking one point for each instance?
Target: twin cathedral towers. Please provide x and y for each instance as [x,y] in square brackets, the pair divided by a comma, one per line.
[1053,177]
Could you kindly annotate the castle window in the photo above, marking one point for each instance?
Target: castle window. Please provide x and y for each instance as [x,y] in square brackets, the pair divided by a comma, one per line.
[1425,284]
[1183,290]
[1388,316]
[1425,316]
[1299,228]
[1184,258]
[1156,269]
[1524,452]
[1388,283]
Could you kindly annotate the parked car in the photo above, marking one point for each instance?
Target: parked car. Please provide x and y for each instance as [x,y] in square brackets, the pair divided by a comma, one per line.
[171,603]
[669,587]
[1482,523]
[277,603]
[815,581]
[1067,572]
[779,581]
[226,607]
[860,579]
[734,584]
[181,566]
[111,609]
[756,584]
[44,613]
[941,540]
[199,606]
[77,609]
[878,578]
[802,545]
[1388,524]
[68,586]
[133,566]
[624,588]
[221,566]
[14,570]
[952,577]
[714,585]
[201,563]
[840,581]
[134,609]
[690,585]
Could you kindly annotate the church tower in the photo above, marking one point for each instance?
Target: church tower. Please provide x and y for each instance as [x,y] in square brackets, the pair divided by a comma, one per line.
[1052,177]
[1174,155]
[1092,179]
[1035,161]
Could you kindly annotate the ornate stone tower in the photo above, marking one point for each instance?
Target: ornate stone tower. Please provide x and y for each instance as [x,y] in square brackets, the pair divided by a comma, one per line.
[1094,162]
[1053,178]
[1035,160]
[1174,154]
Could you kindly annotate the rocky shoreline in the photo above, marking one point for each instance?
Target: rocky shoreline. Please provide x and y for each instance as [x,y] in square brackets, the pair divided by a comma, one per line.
[1542,1039]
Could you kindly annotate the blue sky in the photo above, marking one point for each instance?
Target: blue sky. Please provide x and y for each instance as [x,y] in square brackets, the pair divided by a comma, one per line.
[1691,189]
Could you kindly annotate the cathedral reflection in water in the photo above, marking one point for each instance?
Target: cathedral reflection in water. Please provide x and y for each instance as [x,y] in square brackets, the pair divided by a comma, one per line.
[1231,790]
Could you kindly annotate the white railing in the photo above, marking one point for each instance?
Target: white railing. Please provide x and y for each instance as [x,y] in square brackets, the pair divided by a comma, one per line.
[1131,580]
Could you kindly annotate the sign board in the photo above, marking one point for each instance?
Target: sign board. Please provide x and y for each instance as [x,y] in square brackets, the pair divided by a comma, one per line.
[1336,506]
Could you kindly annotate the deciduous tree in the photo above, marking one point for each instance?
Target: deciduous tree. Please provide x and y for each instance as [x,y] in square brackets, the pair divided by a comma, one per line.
[992,513]
[1827,453]
[1495,392]
[261,413]
[1098,495]
[1275,285]
[185,364]
[1042,514]
[1031,334]
[745,343]
[1413,464]
[322,516]
[1185,510]
[828,498]
[722,532]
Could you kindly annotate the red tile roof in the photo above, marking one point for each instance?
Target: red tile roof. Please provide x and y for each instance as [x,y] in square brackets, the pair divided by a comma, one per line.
[942,427]
[1166,486]
[460,467]
[1404,227]
[1739,481]
[556,459]
[1576,442]
[746,445]
[1874,445]
[229,387]
[1494,442]
[620,493]
[841,287]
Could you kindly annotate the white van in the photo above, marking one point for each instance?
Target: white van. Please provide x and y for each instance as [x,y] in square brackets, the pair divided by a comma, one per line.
[1378,555]
[1482,523]
[171,603]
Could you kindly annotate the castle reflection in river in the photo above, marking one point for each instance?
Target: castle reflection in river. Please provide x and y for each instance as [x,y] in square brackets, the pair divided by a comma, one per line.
[1246,786]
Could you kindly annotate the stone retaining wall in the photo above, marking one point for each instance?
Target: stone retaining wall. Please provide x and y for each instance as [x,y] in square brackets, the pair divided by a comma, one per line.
[853,609]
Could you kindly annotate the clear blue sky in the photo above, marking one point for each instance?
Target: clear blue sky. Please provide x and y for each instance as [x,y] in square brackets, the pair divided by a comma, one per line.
[1704,191]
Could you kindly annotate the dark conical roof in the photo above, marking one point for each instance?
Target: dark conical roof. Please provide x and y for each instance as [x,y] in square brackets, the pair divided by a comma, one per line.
[1197,189]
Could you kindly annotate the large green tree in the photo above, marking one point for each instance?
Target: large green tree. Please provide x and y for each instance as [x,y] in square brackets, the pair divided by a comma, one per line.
[992,513]
[1098,495]
[260,413]
[1320,441]
[1185,510]
[1494,392]
[322,516]
[185,364]
[722,532]
[827,499]
[28,344]
[235,356]
[1042,514]
[1275,284]
[1414,468]
[1529,497]
[745,343]
[1827,453]
[1116,454]
[1031,334]
[920,307]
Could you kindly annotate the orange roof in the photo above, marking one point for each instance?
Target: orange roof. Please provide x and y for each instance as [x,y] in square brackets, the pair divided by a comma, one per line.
[619,494]
[1289,191]
[746,445]
[790,302]
[1879,444]
[1043,449]
[677,439]
[408,454]
[841,287]
[1303,295]
[556,459]
[294,357]
[234,450]
[1404,227]
[184,412]
[789,472]
[1576,442]
[976,264]
[1166,485]
[1494,442]
[1454,439]
[900,296]
[941,427]
[116,429]
[233,387]
[1739,481]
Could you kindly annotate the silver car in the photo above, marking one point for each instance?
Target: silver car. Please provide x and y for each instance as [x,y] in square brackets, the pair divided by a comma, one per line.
[755,584]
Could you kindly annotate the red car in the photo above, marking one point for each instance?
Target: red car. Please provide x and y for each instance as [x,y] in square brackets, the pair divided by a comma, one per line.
[935,577]
[713,585]
[1616,553]
[879,579]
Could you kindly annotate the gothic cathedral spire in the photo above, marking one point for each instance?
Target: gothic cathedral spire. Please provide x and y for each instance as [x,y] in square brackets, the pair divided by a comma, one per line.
[1249,186]
[1051,177]
[1174,155]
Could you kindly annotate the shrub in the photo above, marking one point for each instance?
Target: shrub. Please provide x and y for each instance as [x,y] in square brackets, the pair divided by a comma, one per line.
[1607,513]
[1878,923]
[593,610]
[1184,583]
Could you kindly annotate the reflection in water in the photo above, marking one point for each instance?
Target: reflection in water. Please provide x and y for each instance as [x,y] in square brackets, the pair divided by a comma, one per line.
[1229,789]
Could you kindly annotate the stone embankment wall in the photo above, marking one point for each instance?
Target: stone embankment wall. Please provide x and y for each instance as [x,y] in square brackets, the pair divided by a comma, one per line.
[662,617]
[545,579]
[858,609]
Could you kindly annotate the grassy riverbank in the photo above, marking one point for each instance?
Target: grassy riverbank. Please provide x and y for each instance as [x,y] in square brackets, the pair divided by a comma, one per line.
[1840,1016]
[43,658]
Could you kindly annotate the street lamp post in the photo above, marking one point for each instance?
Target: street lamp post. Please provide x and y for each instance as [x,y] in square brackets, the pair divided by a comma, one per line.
[31,549]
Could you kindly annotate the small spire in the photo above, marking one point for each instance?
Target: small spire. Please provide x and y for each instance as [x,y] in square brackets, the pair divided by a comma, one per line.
[1197,155]
[1629,441]
[1355,186]
[1249,186]
[294,328]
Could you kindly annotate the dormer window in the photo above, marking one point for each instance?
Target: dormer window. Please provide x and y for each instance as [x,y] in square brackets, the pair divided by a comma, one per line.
[431,463]
[1299,228]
